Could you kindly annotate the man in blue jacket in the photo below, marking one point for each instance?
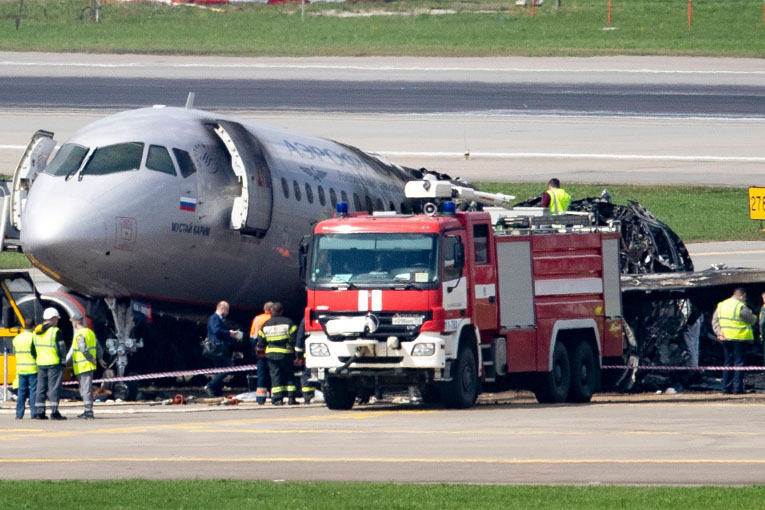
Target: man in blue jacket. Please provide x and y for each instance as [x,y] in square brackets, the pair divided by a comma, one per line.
[219,332]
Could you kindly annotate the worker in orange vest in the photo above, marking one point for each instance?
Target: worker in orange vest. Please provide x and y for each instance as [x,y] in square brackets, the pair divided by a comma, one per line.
[264,378]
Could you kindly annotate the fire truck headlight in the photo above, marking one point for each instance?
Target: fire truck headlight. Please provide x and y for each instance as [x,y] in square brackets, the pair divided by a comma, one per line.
[319,350]
[427,349]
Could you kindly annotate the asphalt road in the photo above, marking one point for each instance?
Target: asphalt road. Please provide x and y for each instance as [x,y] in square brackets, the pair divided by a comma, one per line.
[645,120]
[397,97]
[617,440]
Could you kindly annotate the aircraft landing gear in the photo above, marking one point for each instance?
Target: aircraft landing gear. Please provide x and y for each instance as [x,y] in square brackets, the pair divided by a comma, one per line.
[122,346]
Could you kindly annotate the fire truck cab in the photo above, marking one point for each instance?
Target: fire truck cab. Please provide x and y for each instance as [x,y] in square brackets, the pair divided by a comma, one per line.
[448,301]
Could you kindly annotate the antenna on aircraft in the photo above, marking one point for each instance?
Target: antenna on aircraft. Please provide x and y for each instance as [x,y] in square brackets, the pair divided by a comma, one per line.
[190,101]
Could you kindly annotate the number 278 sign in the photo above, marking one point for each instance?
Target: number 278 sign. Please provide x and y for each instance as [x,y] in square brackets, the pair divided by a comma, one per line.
[757,203]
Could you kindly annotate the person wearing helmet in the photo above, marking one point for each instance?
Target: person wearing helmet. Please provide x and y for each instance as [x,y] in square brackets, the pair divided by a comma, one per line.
[51,352]
[85,352]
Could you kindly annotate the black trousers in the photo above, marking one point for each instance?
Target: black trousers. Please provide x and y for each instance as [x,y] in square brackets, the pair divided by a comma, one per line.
[735,353]
[282,377]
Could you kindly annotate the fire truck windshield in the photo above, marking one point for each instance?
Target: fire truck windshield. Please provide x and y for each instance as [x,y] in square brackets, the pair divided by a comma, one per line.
[374,260]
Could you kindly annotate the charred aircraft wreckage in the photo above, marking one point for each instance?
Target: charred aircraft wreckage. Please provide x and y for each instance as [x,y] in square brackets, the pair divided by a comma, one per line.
[667,305]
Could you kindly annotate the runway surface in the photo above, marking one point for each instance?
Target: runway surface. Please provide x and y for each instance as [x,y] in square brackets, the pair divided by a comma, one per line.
[644,120]
[623,440]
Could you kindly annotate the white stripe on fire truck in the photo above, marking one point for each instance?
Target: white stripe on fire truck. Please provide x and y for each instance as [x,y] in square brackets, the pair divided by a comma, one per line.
[560,286]
[376,300]
[363,300]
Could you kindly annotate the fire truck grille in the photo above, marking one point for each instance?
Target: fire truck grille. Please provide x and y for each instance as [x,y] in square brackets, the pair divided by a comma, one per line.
[404,325]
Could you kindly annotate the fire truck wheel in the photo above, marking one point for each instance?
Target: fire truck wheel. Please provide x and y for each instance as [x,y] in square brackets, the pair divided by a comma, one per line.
[552,387]
[584,373]
[462,391]
[338,395]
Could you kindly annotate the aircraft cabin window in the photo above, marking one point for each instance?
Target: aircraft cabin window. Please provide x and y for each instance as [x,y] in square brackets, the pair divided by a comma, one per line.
[332,197]
[343,197]
[322,198]
[296,188]
[159,159]
[308,193]
[356,202]
[368,204]
[67,160]
[380,205]
[121,157]
[185,163]
[285,188]
[392,206]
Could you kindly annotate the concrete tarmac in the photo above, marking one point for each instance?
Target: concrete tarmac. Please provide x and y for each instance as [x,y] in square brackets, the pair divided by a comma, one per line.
[647,439]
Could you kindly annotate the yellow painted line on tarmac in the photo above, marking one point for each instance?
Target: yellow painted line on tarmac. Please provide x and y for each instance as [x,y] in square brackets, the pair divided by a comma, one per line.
[381,460]
[474,432]
[206,424]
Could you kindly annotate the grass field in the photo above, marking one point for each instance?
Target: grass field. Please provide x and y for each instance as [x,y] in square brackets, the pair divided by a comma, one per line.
[474,28]
[223,494]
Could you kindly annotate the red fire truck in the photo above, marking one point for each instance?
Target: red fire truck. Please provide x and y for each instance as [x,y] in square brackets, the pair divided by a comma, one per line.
[448,301]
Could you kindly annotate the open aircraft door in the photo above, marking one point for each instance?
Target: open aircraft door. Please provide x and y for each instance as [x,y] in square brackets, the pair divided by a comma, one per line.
[33,162]
[251,213]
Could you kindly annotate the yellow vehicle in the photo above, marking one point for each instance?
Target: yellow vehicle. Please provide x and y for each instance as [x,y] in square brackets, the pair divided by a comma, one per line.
[19,298]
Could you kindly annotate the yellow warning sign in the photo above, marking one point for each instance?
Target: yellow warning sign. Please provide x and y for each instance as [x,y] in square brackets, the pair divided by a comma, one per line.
[757,203]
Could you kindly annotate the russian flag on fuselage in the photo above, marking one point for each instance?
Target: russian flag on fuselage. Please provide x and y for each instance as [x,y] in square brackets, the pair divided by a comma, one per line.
[188,204]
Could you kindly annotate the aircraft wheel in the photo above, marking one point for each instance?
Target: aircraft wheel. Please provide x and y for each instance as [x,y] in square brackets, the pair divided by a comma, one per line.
[553,386]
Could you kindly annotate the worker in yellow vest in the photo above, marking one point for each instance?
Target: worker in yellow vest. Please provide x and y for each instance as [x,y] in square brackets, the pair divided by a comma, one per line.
[26,368]
[51,351]
[555,198]
[732,323]
[85,352]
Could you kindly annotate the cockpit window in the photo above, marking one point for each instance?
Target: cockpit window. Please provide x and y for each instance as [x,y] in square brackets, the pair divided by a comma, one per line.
[185,164]
[67,160]
[159,159]
[121,157]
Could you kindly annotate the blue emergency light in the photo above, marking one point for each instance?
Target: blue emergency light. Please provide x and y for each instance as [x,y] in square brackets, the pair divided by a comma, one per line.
[450,208]
[342,209]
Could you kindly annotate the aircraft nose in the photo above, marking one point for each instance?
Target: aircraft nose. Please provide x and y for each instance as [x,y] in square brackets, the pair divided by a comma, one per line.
[60,229]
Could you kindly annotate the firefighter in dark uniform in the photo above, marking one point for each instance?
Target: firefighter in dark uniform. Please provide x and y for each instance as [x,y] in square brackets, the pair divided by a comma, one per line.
[306,388]
[277,337]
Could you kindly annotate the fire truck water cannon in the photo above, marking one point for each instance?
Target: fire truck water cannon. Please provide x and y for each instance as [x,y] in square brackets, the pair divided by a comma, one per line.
[443,190]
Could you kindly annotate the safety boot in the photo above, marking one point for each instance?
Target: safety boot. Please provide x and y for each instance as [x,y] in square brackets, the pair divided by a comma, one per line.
[291,401]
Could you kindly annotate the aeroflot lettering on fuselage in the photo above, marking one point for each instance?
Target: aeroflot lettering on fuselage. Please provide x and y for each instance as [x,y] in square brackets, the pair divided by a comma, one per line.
[322,154]
[190,228]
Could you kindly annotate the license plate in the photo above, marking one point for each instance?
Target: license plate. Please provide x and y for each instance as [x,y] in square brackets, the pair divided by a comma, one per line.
[407,320]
